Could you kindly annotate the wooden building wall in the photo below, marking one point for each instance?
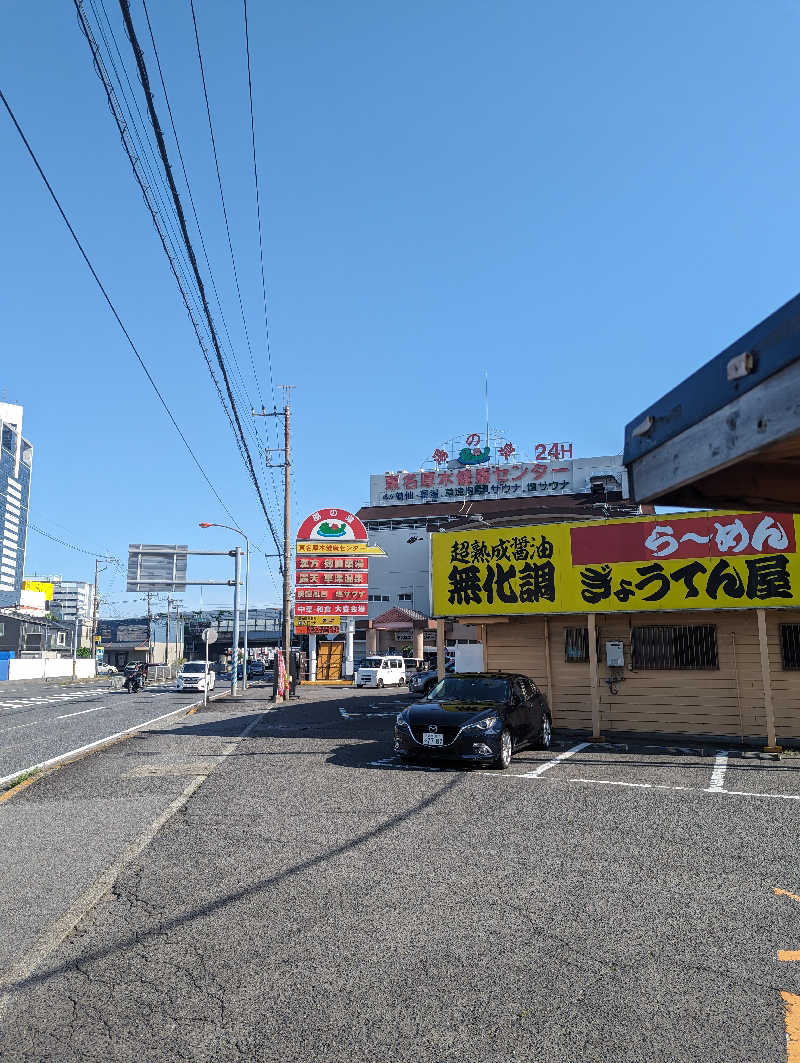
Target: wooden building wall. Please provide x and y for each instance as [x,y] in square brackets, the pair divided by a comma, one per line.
[724,701]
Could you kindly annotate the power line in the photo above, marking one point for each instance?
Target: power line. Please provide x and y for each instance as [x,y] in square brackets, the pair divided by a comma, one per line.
[145,80]
[261,446]
[156,212]
[111,306]
[258,199]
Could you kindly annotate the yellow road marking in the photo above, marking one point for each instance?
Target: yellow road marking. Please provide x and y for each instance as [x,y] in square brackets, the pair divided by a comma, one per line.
[785,954]
[785,893]
[792,1002]
[16,789]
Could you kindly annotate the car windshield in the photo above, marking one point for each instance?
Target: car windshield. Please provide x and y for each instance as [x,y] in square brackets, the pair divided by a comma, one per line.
[372,662]
[194,666]
[470,688]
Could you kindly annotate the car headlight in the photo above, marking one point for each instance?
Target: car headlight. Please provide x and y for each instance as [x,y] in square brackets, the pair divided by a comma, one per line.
[488,723]
[401,721]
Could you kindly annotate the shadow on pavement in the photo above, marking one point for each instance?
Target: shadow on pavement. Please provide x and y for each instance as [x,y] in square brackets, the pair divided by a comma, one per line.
[235,896]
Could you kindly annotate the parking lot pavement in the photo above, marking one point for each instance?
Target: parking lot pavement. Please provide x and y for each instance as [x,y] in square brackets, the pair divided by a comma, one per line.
[316,900]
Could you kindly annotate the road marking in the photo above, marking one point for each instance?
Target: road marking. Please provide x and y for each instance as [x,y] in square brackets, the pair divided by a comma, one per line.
[718,774]
[402,765]
[63,927]
[362,715]
[81,712]
[92,745]
[785,893]
[556,760]
[645,785]
[788,954]
[748,793]
[792,1019]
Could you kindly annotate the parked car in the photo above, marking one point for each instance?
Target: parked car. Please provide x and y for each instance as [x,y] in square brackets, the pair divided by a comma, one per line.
[194,675]
[106,669]
[478,717]
[381,672]
[424,682]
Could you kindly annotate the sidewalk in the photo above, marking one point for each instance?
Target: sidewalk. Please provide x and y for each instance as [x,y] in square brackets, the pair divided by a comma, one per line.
[70,824]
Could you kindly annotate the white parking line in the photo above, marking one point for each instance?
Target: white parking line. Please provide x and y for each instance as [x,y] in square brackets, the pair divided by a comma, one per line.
[642,785]
[717,783]
[362,715]
[552,763]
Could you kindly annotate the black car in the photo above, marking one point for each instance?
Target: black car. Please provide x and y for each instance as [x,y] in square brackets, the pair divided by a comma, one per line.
[479,717]
[424,682]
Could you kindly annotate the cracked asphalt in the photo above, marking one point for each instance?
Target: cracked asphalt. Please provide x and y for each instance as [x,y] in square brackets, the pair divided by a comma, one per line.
[314,901]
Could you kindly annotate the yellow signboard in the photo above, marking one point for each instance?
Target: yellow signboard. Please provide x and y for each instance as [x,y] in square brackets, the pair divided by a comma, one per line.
[317,621]
[47,589]
[331,549]
[712,560]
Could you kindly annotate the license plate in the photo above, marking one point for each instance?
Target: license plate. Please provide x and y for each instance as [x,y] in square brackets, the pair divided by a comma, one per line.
[433,740]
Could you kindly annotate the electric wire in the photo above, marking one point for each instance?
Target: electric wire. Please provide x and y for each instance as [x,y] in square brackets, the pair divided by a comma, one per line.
[258,201]
[227,222]
[111,306]
[157,217]
[258,442]
[145,80]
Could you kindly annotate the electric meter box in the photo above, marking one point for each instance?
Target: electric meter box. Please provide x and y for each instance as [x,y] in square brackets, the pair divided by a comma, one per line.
[615,653]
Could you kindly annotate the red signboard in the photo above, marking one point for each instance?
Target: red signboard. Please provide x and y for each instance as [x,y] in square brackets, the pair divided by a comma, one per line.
[345,563]
[304,629]
[331,594]
[324,609]
[332,525]
[737,534]
[332,579]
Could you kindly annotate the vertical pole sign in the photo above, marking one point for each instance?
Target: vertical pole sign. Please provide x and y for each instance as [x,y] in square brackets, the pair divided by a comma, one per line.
[332,572]
[209,635]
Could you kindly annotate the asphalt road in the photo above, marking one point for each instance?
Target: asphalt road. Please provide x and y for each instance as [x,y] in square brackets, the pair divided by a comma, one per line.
[315,900]
[39,721]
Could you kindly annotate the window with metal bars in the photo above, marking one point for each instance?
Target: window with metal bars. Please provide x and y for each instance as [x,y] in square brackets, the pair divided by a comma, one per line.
[790,646]
[673,646]
[576,644]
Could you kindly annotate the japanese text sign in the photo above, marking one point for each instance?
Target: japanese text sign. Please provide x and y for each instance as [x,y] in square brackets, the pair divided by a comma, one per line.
[676,561]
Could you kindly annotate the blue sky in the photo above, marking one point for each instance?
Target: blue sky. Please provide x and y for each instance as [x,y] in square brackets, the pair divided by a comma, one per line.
[587,200]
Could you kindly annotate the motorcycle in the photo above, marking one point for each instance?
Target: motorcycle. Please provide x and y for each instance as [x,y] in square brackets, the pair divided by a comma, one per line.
[133,682]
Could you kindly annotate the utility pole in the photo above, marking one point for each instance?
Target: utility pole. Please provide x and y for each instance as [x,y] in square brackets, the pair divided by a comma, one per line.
[149,628]
[96,598]
[287,542]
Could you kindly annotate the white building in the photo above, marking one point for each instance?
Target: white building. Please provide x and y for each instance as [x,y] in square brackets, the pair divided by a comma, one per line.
[16,460]
[405,508]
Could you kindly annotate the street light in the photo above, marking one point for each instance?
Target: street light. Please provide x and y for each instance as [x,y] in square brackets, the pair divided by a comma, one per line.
[235,654]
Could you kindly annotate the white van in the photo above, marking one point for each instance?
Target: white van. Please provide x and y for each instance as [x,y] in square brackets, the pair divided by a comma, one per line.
[381,672]
[196,675]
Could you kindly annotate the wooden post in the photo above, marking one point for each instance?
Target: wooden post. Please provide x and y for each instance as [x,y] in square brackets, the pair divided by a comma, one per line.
[440,649]
[548,667]
[769,709]
[594,678]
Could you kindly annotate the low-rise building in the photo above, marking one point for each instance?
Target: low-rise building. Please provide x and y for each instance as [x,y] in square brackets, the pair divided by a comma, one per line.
[687,623]
[141,640]
[475,486]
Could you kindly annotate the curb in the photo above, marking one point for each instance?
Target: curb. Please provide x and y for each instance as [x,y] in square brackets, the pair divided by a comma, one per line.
[101,743]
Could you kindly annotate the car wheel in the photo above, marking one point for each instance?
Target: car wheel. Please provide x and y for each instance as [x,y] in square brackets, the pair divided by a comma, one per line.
[379,683]
[504,756]
[546,733]
[359,685]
